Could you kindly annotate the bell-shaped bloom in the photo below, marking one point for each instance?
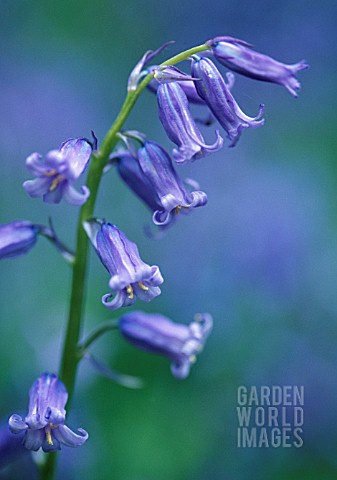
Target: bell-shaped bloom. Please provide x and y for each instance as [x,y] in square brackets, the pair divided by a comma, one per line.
[169,191]
[216,93]
[150,174]
[158,334]
[130,276]
[237,55]
[61,168]
[17,238]
[177,120]
[44,425]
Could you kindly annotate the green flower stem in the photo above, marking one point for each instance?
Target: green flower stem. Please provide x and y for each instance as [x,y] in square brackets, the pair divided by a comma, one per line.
[185,55]
[96,333]
[71,354]
[47,469]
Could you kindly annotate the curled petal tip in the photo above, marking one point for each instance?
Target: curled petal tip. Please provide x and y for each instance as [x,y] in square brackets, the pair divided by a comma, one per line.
[69,438]
[17,424]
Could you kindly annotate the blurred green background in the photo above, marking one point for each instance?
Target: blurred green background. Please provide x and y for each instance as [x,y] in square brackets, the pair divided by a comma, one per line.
[261,257]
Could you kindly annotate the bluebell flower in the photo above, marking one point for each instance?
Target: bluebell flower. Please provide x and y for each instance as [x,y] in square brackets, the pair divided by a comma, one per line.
[178,122]
[130,276]
[155,333]
[216,93]
[157,166]
[55,177]
[44,425]
[17,238]
[237,55]
[149,173]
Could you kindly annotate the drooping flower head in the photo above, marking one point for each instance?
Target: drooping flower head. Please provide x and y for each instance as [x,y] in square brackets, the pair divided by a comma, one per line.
[129,170]
[61,168]
[179,125]
[237,55]
[130,276]
[17,238]
[158,334]
[149,172]
[216,93]
[44,425]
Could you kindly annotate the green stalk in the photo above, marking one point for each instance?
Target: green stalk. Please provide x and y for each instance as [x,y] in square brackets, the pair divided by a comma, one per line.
[96,333]
[71,354]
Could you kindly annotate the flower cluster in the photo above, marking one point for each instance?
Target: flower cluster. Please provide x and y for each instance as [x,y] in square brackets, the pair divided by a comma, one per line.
[148,170]
[206,86]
